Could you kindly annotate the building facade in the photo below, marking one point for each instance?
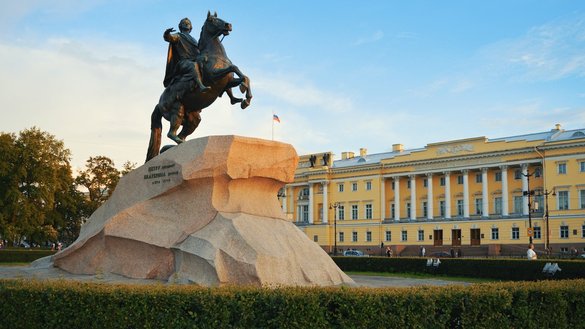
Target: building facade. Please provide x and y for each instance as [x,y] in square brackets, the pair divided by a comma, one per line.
[475,196]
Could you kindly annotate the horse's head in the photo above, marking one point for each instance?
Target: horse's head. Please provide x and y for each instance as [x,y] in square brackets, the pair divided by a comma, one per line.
[214,26]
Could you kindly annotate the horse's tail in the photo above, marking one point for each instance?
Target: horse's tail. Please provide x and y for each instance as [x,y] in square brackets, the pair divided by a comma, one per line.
[155,134]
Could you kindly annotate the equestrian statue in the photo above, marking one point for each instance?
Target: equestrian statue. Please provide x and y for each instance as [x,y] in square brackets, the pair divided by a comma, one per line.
[196,75]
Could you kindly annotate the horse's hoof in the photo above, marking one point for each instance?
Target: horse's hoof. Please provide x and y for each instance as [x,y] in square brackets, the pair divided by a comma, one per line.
[244,104]
[244,85]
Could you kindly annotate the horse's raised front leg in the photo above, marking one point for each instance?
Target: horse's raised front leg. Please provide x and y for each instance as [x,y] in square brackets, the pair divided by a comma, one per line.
[245,86]
[233,99]
[175,120]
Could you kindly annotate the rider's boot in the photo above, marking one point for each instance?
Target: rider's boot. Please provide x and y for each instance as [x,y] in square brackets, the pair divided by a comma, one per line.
[198,81]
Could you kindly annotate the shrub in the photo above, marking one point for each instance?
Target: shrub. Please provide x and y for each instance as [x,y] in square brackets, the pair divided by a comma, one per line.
[61,304]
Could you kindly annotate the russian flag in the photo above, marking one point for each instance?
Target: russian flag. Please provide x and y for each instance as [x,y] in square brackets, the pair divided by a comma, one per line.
[275,118]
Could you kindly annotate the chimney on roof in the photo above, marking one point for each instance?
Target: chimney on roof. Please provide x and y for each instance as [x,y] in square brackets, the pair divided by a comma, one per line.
[363,152]
[397,147]
[558,126]
[346,155]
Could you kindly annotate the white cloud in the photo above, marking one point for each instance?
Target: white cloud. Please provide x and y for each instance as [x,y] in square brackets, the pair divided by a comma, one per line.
[376,36]
[548,52]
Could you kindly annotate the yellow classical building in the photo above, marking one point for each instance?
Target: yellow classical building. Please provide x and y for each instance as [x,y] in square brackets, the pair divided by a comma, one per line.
[475,196]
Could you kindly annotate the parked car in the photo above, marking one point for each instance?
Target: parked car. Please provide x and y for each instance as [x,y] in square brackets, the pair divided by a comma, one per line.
[354,253]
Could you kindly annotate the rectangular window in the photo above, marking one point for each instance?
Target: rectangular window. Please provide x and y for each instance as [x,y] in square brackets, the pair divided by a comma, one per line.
[460,180]
[341,236]
[315,238]
[498,205]
[388,235]
[498,176]
[368,186]
[442,208]
[582,199]
[354,186]
[408,209]
[442,181]
[536,232]
[564,231]
[369,211]
[354,236]
[425,210]
[537,172]
[341,212]
[517,174]
[582,166]
[425,182]
[583,231]
[392,210]
[478,178]
[408,184]
[515,233]
[404,236]
[478,206]
[340,187]
[563,200]
[562,168]
[354,211]
[495,233]
[518,204]
[305,213]
[369,236]
[538,203]
[421,235]
[459,207]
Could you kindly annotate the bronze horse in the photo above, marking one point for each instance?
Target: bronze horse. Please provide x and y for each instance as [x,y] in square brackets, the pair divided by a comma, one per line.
[218,73]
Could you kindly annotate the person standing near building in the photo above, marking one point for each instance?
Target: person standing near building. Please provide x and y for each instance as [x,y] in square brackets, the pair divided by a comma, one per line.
[530,253]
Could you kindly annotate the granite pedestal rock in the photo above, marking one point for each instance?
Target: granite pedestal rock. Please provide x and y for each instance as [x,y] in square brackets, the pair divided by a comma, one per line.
[205,212]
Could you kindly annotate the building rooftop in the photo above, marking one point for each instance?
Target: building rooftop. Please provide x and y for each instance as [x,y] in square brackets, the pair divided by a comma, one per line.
[554,135]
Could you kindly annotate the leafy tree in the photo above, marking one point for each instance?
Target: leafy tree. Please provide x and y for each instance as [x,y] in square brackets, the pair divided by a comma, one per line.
[100,179]
[40,200]
[32,173]
[9,193]
[128,167]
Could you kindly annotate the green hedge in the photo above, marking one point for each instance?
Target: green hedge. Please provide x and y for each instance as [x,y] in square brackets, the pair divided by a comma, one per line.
[23,255]
[501,268]
[61,304]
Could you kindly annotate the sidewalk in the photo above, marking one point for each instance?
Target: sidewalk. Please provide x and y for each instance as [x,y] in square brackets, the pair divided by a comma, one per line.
[52,273]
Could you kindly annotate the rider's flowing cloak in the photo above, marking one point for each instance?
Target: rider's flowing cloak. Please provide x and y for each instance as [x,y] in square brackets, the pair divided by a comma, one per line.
[184,43]
[170,67]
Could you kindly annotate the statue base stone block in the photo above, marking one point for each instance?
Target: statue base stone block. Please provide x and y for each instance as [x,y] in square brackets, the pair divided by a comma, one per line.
[204,212]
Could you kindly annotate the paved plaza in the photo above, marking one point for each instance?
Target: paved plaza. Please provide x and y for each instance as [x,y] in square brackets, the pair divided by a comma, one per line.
[41,273]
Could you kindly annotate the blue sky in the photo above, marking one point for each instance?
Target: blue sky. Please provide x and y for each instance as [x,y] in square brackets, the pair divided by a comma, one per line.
[341,75]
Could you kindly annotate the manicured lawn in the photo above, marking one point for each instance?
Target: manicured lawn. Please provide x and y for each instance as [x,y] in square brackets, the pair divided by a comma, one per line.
[425,276]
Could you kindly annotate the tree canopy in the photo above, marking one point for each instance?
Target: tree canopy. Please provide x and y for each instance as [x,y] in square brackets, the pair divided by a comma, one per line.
[40,200]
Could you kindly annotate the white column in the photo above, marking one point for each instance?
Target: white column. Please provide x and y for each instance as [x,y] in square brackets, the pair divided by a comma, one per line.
[430,196]
[382,198]
[524,188]
[396,198]
[485,210]
[325,203]
[311,203]
[465,193]
[285,199]
[504,190]
[447,195]
[412,197]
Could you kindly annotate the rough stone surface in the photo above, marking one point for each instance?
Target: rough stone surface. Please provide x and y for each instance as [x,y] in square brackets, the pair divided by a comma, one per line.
[204,212]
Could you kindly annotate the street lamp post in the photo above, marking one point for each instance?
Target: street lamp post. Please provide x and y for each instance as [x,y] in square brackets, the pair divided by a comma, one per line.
[334,206]
[547,241]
